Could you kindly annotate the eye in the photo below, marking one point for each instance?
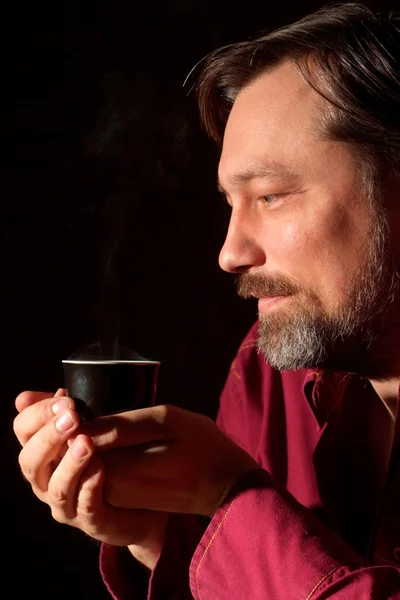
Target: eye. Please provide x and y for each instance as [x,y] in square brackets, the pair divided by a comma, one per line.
[270,198]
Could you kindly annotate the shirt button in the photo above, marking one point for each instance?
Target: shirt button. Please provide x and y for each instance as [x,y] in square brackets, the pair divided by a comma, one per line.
[396,554]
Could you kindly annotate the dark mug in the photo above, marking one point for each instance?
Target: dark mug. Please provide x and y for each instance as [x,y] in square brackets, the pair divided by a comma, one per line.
[105,387]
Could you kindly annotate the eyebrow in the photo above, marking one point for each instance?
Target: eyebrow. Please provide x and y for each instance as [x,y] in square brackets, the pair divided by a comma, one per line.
[272,170]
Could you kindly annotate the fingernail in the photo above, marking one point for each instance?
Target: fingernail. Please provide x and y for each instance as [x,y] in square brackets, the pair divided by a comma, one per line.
[79,449]
[60,405]
[64,422]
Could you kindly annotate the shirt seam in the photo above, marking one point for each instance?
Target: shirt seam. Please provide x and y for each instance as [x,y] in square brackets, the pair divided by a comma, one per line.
[207,548]
[247,345]
[244,346]
[321,581]
[209,544]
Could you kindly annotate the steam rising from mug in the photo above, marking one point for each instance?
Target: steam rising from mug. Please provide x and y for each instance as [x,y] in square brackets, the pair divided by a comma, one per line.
[103,384]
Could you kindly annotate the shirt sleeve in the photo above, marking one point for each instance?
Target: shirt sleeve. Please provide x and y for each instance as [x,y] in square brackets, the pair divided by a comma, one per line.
[262,544]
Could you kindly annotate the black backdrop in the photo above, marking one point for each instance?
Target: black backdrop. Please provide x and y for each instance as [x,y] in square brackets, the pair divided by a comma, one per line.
[110,226]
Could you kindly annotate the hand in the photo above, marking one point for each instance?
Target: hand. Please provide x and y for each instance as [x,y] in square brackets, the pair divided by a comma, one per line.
[167,459]
[64,472]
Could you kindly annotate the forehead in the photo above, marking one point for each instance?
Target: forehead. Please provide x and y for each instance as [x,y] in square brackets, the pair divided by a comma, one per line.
[274,119]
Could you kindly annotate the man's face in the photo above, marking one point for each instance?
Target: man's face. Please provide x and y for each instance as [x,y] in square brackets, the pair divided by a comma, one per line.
[302,233]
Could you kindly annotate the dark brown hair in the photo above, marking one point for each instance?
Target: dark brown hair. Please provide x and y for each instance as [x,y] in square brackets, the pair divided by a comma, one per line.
[348,53]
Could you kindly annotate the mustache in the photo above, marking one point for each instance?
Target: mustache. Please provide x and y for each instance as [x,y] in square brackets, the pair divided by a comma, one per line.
[258,285]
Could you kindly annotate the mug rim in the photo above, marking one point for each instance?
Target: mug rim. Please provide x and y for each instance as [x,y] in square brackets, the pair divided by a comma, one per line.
[110,362]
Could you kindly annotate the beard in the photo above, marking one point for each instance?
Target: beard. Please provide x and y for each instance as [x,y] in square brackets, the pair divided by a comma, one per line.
[359,334]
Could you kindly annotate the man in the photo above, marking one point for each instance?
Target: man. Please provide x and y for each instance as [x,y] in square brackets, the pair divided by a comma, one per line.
[295,492]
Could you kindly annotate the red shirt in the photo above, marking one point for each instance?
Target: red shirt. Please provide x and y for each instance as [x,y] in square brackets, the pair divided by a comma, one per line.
[320,519]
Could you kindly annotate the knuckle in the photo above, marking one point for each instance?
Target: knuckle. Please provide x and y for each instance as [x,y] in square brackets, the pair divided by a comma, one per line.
[57,496]
[106,433]
[22,399]
[28,469]
[87,508]
[114,433]
[17,427]
[88,500]
[28,398]
[87,512]
[162,412]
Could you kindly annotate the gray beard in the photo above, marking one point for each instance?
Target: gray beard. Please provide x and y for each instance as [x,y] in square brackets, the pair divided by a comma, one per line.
[357,338]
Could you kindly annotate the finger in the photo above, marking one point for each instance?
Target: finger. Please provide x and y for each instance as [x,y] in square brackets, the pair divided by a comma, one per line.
[130,428]
[67,444]
[65,481]
[35,416]
[28,398]
[56,461]
[36,456]
[102,521]
[90,495]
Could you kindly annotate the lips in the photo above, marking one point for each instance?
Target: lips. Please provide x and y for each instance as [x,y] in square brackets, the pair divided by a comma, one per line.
[266,303]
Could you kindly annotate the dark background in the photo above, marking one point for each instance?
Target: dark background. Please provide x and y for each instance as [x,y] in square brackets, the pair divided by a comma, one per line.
[110,226]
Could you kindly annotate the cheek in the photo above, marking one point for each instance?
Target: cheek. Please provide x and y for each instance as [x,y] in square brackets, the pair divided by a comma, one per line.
[323,258]
[290,248]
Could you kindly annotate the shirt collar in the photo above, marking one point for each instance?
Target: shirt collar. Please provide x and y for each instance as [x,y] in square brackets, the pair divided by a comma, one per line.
[323,391]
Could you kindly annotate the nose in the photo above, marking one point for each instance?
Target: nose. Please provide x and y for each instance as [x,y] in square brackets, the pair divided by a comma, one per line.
[241,250]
